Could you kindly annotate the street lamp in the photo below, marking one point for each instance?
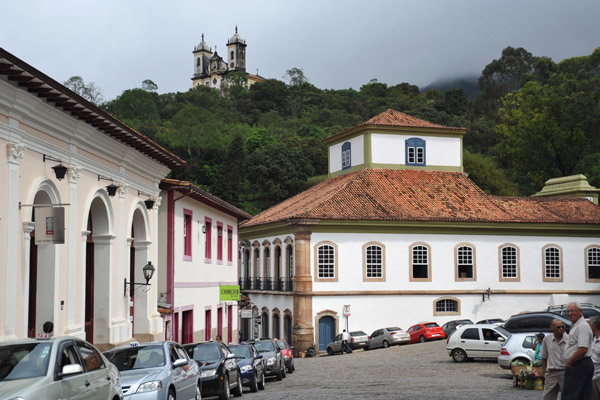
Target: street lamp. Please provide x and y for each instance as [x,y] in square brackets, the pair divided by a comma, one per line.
[148,272]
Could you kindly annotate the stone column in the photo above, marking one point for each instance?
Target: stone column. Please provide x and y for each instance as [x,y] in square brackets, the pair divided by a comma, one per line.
[303,331]
[73,240]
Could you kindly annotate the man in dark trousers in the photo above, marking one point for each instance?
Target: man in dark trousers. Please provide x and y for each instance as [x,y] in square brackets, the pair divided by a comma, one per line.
[345,340]
[579,367]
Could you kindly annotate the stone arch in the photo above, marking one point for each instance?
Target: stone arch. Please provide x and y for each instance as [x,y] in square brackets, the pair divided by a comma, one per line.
[276,318]
[288,325]
[264,320]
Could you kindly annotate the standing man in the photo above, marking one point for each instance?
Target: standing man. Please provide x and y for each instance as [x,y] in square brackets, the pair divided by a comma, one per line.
[345,345]
[595,325]
[579,368]
[553,360]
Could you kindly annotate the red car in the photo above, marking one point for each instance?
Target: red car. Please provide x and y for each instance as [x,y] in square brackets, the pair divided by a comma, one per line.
[425,331]
[288,354]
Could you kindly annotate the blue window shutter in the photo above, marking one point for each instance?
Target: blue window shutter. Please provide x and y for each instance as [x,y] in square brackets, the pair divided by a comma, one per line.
[418,154]
[346,155]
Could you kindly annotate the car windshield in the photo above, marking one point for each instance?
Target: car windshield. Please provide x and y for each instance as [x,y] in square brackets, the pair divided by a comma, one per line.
[394,329]
[207,352]
[281,344]
[22,361]
[137,357]
[431,325]
[264,347]
[241,351]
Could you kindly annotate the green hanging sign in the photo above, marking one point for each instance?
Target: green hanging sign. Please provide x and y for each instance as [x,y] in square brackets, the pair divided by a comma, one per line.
[229,293]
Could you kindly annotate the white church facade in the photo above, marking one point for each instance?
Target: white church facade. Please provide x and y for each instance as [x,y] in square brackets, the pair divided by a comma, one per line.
[400,235]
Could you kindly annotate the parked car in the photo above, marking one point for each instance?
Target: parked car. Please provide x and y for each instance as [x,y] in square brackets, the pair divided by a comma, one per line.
[451,326]
[219,371]
[518,347]
[386,337]
[61,367]
[275,366]
[498,321]
[588,310]
[424,331]
[251,366]
[358,340]
[158,370]
[476,341]
[335,346]
[288,354]
[534,322]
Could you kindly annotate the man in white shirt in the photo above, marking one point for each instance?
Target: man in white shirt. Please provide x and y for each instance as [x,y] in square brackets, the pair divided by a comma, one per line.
[579,368]
[345,342]
[595,325]
[553,360]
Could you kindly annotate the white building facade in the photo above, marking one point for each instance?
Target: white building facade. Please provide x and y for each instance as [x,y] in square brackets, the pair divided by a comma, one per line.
[109,233]
[400,235]
[199,247]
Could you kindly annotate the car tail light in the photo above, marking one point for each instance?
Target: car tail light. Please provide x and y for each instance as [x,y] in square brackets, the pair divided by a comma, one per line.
[393,333]
[504,352]
[352,339]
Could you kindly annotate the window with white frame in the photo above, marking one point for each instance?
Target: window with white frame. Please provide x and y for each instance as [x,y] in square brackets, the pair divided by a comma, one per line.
[508,256]
[326,261]
[420,262]
[593,262]
[346,155]
[446,306]
[374,261]
[552,263]
[415,151]
[464,262]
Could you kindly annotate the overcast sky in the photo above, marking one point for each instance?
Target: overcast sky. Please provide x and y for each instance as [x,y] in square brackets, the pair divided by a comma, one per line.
[338,43]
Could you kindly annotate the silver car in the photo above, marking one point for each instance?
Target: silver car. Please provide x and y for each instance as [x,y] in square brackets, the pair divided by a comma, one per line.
[386,337]
[519,347]
[153,371]
[57,368]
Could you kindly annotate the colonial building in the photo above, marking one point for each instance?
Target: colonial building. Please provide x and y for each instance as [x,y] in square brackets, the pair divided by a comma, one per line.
[399,234]
[78,214]
[198,244]
[210,69]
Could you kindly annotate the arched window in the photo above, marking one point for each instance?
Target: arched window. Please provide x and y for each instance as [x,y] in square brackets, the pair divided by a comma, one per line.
[552,263]
[415,152]
[326,262]
[420,262]
[231,55]
[346,155]
[465,262]
[509,262]
[592,263]
[446,306]
[374,262]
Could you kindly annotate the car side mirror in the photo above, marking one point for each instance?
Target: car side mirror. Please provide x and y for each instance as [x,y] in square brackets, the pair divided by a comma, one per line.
[501,339]
[71,369]
[230,356]
[180,362]
[291,347]
[259,356]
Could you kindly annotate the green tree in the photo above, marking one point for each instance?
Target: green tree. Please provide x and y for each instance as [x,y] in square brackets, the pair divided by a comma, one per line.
[149,86]
[88,91]
[295,77]
[486,173]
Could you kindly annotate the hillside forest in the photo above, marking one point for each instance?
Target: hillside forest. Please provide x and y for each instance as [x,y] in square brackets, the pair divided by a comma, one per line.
[531,120]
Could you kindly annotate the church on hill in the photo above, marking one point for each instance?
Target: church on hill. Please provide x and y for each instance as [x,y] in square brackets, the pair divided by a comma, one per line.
[210,69]
[399,234]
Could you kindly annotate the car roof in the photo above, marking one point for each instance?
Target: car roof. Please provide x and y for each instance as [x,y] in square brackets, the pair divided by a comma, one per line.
[145,344]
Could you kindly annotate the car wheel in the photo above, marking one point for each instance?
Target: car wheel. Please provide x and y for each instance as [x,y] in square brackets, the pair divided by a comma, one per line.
[254,385]
[226,391]
[459,355]
[279,375]
[290,370]
[261,383]
[238,391]
[329,351]
[422,339]
[283,372]
[171,395]
[385,344]
[198,392]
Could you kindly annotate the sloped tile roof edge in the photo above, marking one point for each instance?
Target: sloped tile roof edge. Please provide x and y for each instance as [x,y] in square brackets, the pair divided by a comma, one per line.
[203,196]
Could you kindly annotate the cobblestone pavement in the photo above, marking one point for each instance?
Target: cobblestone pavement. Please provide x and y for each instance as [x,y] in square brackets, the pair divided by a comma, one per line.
[416,371]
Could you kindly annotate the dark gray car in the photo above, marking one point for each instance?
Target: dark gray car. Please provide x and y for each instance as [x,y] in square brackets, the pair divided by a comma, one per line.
[272,356]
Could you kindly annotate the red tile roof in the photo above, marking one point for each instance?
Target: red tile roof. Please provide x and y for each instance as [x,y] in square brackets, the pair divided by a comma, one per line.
[393,118]
[417,195]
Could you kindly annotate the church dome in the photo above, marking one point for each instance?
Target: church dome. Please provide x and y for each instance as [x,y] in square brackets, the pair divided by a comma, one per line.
[202,46]
[236,38]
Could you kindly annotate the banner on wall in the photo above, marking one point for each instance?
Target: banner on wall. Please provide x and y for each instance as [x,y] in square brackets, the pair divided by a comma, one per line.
[229,293]
[49,225]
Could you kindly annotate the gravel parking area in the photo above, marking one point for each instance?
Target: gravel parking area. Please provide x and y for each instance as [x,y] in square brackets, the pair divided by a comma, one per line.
[422,371]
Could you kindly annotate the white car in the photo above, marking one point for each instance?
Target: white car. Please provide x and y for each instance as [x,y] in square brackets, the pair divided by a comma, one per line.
[58,368]
[476,341]
[519,347]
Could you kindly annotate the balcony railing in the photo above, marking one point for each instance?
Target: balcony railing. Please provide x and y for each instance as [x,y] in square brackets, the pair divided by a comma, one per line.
[278,285]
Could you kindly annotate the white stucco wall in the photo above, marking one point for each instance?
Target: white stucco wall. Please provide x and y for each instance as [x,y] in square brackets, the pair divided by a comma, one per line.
[357,145]
[440,151]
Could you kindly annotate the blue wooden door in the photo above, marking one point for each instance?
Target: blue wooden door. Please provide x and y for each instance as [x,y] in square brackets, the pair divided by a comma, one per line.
[326,332]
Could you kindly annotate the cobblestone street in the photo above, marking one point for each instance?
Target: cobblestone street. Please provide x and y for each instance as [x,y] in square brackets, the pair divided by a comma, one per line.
[422,371]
